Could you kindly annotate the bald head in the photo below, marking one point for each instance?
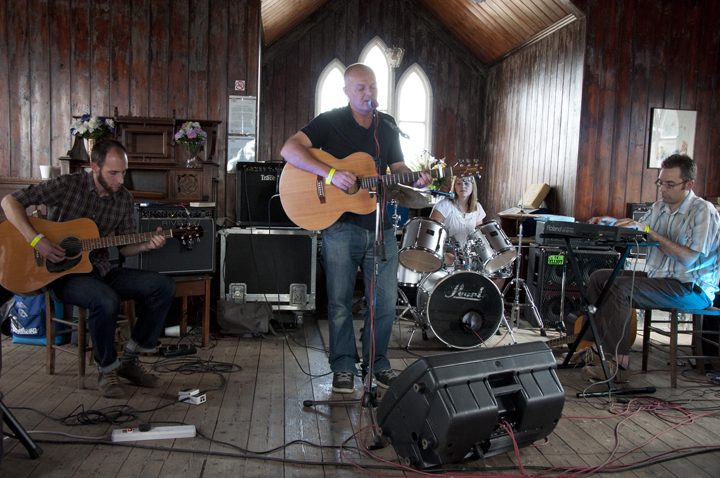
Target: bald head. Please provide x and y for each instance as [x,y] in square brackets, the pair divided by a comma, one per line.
[355,69]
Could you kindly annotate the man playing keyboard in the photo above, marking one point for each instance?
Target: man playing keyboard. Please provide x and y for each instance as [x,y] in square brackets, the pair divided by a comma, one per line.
[681,272]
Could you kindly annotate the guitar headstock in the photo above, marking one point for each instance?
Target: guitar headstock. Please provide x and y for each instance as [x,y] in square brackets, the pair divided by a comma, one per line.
[465,168]
[188,234]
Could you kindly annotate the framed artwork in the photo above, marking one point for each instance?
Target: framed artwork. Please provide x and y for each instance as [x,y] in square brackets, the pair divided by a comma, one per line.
[671,132]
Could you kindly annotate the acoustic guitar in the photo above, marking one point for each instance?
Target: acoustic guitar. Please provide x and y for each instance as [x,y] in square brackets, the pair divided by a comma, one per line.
[568,339]
[23,270]
[314,205]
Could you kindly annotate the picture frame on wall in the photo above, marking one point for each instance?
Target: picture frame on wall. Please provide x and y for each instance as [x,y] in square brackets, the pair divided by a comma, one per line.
[671,132]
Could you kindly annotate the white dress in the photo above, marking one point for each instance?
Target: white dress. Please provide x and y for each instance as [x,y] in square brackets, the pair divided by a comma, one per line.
[459,225]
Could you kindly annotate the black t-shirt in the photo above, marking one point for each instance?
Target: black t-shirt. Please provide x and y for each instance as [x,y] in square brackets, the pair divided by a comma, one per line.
[336,132]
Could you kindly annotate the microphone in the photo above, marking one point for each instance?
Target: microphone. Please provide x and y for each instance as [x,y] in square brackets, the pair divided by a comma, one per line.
[372,103]
[441,193]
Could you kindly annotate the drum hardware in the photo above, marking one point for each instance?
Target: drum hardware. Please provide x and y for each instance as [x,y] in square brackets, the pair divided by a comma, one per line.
[395,216]
[518,281]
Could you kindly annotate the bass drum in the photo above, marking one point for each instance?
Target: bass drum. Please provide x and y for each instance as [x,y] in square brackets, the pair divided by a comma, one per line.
[463,308]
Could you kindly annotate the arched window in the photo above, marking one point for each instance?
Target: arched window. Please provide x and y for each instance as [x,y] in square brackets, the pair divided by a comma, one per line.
[414,113]
[373,55]
[329,91]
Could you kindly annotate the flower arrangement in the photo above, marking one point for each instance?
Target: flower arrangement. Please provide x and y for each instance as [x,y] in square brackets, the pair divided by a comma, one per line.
[92,127]
[192,136]
[427,161]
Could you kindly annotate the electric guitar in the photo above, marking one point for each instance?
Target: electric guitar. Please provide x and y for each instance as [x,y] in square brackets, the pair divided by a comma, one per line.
[314,205]
[568,339]
[23,270]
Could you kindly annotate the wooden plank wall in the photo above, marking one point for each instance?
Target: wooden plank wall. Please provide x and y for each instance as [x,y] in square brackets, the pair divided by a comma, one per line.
[62,58]
[341,30]
[533,105]
[644,54]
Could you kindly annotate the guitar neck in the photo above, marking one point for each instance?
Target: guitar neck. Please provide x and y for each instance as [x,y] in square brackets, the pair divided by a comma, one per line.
[561,341]
[119,241]
[404,178]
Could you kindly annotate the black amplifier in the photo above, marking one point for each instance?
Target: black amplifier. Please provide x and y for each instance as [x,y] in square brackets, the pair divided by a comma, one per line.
[176,257]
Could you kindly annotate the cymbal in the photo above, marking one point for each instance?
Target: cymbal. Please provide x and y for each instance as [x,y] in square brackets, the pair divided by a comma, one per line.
[519,215]
[407,196]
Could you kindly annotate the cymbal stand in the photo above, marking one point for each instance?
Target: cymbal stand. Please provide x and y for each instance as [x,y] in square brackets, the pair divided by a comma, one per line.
[518,282]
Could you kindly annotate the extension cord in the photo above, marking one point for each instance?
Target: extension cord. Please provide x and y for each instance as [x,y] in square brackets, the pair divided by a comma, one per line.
[158,433]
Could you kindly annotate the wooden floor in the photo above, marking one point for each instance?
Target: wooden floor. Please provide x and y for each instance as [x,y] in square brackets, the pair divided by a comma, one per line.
[261,408]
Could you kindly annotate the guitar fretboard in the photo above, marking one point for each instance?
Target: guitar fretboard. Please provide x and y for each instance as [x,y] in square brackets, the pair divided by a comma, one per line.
[403,178]
[125,240]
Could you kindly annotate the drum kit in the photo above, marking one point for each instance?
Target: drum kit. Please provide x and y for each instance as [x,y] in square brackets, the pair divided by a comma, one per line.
[461,305]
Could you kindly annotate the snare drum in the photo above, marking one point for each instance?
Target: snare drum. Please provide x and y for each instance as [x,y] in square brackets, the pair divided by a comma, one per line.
[463,308]
[502,251]
[422,248]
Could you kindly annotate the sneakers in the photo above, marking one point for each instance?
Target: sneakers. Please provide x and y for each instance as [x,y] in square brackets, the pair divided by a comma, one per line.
[108,385]
[595,372]
[136,373]
[343,382]
[385,378]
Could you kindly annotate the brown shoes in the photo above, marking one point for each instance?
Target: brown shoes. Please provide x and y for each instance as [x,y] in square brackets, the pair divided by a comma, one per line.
[108,385]
[619,375]
[586,355]
[136,373]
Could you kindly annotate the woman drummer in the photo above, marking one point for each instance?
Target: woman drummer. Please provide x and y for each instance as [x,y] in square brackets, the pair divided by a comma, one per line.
[461,214]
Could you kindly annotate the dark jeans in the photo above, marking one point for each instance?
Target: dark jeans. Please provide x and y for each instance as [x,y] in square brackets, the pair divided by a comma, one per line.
[102,297]
[612,318]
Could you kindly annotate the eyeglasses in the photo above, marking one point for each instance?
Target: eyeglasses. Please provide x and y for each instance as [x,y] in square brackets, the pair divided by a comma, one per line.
[661,184]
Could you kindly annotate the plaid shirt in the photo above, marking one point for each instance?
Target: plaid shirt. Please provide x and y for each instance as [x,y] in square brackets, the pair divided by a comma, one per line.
[696,225]
[74,196]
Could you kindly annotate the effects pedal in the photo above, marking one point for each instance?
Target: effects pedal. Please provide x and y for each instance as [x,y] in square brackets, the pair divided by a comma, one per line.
[192,396]
[177,350]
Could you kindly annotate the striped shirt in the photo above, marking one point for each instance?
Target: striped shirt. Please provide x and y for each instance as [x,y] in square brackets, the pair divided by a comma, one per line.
[696,225]
[75,196]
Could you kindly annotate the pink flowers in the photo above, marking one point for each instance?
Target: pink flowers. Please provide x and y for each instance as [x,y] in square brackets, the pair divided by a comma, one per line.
[192,136]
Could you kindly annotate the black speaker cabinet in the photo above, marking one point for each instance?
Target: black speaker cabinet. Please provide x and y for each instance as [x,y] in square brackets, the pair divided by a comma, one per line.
[273,265]
[176,257]
[448,408]
[256,191]
[636,211]
[545,272]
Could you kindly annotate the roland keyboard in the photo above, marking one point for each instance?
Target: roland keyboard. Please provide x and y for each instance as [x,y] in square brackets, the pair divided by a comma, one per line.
[581,233]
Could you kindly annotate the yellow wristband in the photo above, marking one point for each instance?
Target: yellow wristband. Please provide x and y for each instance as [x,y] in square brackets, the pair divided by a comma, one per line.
[36,240]
[647,229]
[328,179]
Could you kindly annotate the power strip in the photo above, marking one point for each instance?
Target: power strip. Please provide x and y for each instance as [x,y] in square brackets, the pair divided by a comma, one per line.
[157,433]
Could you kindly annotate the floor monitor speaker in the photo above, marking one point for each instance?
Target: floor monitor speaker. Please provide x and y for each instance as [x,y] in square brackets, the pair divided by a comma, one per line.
[449,408]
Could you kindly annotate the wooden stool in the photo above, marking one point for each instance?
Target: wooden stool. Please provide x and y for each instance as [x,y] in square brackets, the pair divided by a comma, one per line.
[189,286]
[697,338]
[81,328]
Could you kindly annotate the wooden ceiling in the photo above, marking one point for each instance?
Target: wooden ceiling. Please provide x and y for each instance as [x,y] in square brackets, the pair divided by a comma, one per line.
[490,29]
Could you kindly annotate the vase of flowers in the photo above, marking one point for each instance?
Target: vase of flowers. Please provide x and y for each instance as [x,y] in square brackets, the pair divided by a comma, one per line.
[92,128]
[192,136]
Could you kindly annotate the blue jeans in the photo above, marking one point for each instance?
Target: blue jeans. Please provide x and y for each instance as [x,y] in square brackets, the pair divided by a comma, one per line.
[344,248]
[102,296]
[646,293]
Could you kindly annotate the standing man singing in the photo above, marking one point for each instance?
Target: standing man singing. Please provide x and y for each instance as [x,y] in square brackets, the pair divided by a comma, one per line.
[348,244]
[100,195]
[682,271]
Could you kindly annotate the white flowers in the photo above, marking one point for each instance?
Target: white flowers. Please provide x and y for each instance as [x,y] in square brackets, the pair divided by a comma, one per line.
[92,127]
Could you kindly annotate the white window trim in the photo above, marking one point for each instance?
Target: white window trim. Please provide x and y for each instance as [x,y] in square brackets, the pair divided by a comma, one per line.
[377,42]
[321,81]
[415,68]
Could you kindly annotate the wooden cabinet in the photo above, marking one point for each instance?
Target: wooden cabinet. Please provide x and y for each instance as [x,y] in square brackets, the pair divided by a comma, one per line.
[157,167]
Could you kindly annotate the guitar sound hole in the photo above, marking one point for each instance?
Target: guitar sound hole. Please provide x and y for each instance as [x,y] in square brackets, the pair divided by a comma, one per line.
[72,246]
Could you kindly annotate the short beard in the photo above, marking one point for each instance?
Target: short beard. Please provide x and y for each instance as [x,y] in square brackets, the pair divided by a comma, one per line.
[108,189]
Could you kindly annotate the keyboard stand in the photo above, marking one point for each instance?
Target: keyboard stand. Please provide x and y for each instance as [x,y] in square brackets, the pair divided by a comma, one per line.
[590,310]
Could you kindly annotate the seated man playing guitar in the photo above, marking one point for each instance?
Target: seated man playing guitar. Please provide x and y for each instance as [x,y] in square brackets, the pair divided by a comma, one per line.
[100,196]
[682,272]
[348,243]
